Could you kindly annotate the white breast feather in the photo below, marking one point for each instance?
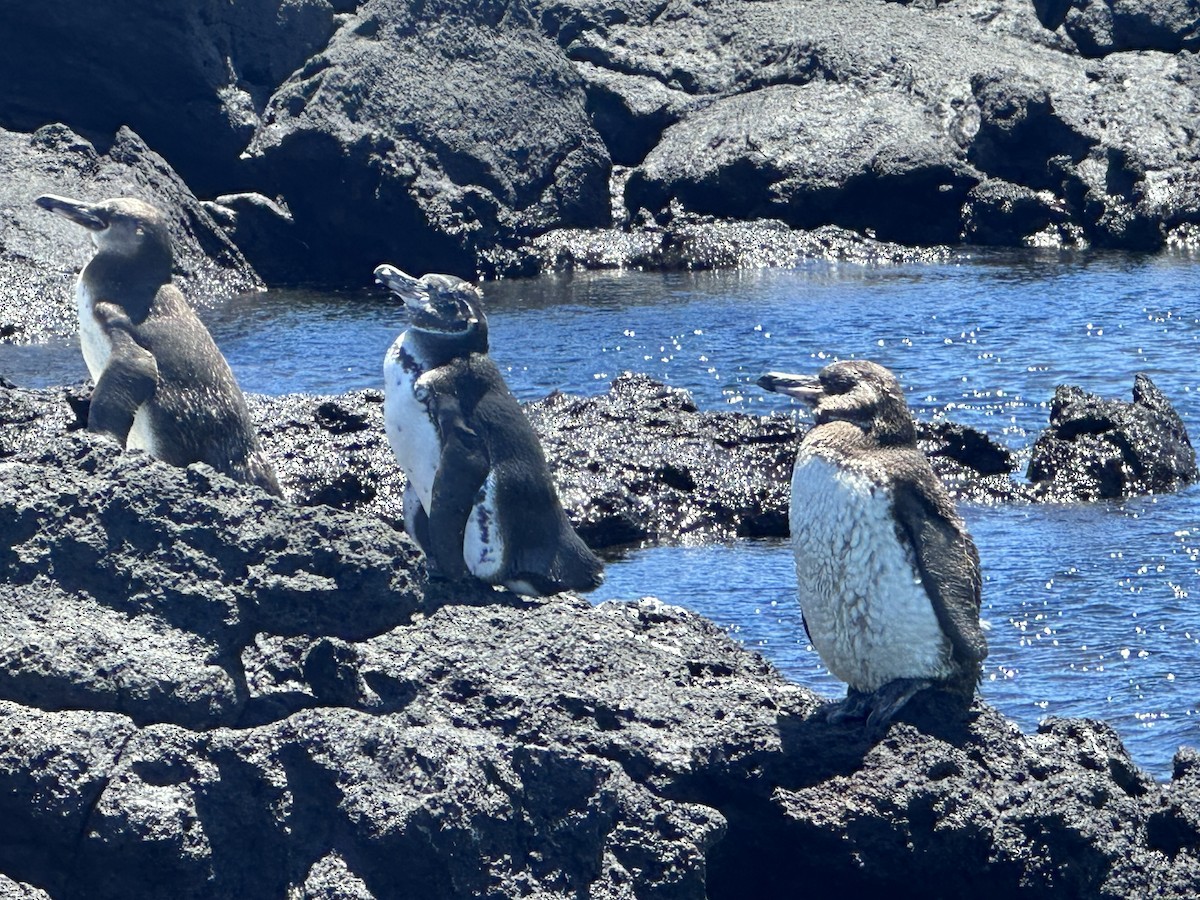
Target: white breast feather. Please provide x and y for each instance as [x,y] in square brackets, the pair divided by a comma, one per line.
[409,430]
[93,341]
[866,610]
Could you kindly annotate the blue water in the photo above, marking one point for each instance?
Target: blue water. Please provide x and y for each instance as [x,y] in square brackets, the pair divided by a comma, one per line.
[1093,608]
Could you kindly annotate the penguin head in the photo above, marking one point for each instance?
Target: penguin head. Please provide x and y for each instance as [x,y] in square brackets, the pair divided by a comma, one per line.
[857,391]
[437,304]
[124,226]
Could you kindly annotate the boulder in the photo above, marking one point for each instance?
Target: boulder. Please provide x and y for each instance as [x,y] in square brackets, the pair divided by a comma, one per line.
[192,79]
[1097,448]
[433,136]
[40,253]
[1101,27]
[207,692]
[810,155]
[849,110]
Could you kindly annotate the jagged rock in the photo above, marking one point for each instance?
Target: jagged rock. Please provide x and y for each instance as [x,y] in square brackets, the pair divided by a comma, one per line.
[967,91]
[427,135]
[41,253]
[133,586]
[1097,448]
[641,463]
[264,230]
[207,692]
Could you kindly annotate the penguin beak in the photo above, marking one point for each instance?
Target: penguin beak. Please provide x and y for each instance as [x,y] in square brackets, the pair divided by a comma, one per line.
[86,214]
[403,285]
[805,388]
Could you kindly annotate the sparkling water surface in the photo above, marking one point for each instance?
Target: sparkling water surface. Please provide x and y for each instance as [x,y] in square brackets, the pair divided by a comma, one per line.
[1092,607]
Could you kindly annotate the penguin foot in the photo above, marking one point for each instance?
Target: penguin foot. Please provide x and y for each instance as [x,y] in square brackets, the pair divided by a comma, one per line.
[887,700]
[854,708]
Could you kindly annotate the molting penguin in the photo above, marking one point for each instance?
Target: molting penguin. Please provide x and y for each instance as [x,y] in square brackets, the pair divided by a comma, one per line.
[888,577]
[480,499]
[161,383]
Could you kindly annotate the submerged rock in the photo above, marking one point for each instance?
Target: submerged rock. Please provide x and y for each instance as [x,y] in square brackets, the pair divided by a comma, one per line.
[207,692]
[41,253]
[1097,448]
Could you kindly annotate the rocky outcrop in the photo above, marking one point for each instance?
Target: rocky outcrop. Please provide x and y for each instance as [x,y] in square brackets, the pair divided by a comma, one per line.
[253,699]
[507,137]
[436,135]
[1097,448]
[192,80]
[1101,27]
[41,253]
[642,464]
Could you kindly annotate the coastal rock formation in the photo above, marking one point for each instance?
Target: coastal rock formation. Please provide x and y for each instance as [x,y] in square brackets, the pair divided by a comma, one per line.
[253,699]
[486,137]
[40,253]
[436,135]
[1097,448]
[191,79]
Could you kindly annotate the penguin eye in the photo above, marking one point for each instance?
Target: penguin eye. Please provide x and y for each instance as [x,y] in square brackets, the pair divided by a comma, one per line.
[836,384]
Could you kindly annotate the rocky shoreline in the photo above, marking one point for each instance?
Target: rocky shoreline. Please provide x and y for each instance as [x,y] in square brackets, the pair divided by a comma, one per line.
[206,691]
[563,134]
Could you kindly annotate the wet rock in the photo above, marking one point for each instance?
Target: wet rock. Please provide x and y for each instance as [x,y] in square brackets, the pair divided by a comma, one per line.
[40,253]
[696,243]
[973,467]
[426,135]
[642,463]
[999,213]
[1097,448]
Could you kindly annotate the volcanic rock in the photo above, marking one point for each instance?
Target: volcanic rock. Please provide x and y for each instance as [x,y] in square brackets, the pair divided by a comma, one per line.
[1097,448]
[41,253]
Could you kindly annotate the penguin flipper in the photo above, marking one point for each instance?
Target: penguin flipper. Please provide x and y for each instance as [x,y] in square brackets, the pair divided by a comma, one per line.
[948,563]
[461,472]
[129,379]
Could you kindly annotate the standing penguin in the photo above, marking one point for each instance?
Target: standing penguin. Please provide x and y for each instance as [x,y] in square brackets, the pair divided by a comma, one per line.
[888,577]
[161,383]
[480,499]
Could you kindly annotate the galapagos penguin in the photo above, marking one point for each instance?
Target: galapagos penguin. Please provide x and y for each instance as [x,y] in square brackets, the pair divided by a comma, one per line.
[161,383]
[480,499]
[888,577]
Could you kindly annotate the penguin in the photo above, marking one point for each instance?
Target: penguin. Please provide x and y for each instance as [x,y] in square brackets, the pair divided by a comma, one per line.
[161,383]
[888,577]
[480,500]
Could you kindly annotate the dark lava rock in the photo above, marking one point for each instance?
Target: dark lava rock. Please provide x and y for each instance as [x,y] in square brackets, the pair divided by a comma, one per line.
[905,109]
[133,586]
[206,692]
[1100,27]
[812,154]
[697,243]
[431,135]
[41,253]
[1097,448]
[642,463]
[192,79]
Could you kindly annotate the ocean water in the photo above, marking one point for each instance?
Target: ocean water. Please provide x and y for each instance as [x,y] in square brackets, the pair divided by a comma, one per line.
[1094,609]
